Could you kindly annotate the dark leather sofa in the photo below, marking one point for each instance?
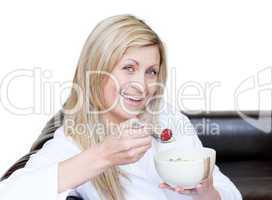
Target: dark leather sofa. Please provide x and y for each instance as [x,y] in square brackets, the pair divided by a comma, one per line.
[244,152]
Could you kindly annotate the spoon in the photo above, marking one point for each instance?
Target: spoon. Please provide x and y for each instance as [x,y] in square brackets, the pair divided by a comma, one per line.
[159,138]
[165,136]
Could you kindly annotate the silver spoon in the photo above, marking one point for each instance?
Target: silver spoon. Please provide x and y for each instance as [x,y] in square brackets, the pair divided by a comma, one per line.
[156,136]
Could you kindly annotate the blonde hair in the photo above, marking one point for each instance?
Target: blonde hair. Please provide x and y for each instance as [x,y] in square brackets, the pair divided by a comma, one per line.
[102,50]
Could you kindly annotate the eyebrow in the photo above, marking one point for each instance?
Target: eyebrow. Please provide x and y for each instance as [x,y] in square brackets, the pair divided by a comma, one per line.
[137,63]
[133,60]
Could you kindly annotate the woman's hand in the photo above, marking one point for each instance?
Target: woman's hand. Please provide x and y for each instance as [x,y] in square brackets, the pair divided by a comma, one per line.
[127,146]
[203,191]
[124,148]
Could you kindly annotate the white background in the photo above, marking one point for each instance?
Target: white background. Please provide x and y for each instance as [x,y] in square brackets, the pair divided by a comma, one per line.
[207,41]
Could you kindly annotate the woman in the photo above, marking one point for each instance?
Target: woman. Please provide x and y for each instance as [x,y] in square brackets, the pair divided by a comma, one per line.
[98,153]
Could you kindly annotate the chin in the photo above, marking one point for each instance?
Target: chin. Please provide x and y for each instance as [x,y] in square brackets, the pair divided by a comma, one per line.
[125,115]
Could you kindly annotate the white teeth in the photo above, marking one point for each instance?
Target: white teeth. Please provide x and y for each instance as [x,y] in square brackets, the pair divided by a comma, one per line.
[133,98]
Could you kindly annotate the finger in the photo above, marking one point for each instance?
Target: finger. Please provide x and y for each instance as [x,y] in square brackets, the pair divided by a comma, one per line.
[166,186]
[123,145]
[203,186]
[163,185]
[136,153]
[140,150]
[208,179]
[185,191]
[130,133]
[206,183]
[137,142]
[179,189]
[127,157]
[134,123]
[190,192]
[136,133]
[200,188]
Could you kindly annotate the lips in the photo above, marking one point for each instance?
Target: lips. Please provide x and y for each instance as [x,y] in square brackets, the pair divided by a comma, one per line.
[132,99]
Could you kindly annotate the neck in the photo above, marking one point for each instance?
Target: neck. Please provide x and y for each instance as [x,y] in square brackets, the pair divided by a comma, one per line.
[112,119]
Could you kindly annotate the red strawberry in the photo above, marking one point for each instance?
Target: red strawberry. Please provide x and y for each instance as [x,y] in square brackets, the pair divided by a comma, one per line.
[166,134]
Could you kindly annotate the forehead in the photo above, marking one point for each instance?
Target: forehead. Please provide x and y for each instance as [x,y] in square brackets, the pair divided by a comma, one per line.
[148,55]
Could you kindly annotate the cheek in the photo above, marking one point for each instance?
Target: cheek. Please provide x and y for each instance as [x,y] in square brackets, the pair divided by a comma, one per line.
[111,90]
[110,93]
[152,87]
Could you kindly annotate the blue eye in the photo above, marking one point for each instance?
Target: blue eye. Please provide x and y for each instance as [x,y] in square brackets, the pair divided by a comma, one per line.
[129,68]
[153,72]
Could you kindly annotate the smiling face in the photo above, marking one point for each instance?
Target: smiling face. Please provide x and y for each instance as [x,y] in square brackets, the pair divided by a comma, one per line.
[137,74]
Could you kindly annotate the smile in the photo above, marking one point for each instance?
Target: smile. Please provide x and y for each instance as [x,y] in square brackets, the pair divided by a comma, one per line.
[131,99]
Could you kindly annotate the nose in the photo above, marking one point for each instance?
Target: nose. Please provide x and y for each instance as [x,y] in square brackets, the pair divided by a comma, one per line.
[135,87]
[137,84]
[138,81]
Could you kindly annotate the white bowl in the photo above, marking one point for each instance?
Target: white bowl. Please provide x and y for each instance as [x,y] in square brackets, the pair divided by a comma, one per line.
[195,165]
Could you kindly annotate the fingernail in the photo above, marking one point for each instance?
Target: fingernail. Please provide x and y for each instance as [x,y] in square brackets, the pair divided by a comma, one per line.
[178,189]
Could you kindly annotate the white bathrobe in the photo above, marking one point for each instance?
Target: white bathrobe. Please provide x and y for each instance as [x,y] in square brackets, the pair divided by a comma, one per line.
[38,179]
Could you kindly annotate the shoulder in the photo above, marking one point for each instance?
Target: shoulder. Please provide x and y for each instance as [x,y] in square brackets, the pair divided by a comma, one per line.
[171,114]
[57,149]
[181,126]
[61,143]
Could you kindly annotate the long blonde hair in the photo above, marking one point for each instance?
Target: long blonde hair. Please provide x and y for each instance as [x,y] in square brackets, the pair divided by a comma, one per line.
[104,47]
